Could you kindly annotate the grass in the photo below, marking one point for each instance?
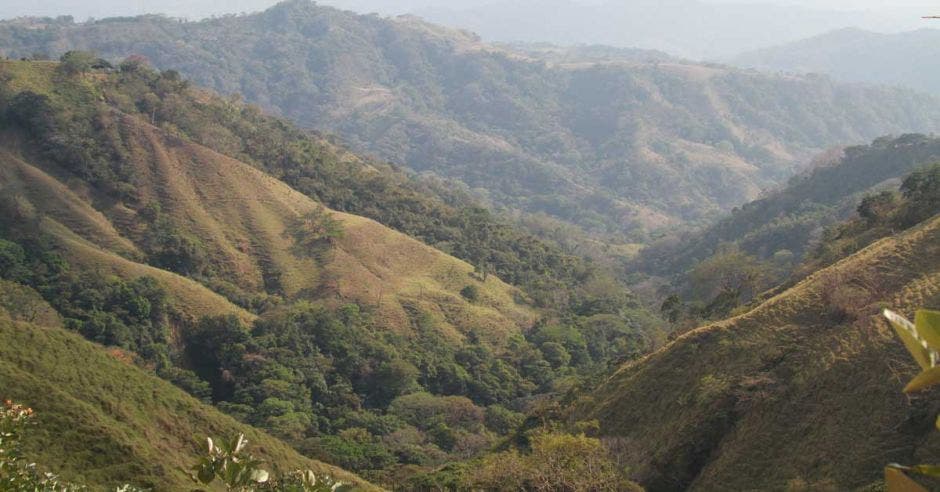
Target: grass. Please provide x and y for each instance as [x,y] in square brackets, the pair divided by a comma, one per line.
[802,392]
[104,422]
[242,217]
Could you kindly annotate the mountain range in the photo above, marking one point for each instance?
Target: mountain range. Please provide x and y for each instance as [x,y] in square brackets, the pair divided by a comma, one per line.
[687,28]
[393,254]
[617,148]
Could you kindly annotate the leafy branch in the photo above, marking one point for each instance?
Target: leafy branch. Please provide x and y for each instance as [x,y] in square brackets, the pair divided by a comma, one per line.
[922,340]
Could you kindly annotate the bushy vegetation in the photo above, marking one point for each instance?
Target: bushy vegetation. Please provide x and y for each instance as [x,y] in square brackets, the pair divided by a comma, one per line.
[102,422]
[227,462]
[371,401]
[555,462]
[321,372]
[16,473]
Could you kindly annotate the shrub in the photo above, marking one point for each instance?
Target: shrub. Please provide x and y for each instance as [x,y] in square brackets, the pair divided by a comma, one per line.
[470,293]
[556,462]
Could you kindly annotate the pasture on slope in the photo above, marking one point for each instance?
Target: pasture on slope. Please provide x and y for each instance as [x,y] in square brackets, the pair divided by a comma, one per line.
[243,217]
[803,391]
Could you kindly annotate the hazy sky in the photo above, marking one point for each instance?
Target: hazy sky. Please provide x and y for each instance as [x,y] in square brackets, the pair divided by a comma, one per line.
[82,9]
[813,17]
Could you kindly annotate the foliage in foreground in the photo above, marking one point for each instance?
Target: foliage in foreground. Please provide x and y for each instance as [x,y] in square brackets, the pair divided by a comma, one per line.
[16,473]
[227,462]
[922,340]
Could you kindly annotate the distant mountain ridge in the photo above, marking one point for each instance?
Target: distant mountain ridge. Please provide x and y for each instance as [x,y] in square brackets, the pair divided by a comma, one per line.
[904,59]
[688,28]
[612,147]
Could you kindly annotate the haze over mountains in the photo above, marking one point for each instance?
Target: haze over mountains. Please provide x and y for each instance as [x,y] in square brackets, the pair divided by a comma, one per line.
[699,29]
[618,147]
[687,28]
[905,59]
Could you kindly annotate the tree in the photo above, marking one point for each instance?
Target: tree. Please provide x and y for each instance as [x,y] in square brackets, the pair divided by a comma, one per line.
[391,379]
[729,276]
[922,191]
[557,462]
[671,308]
[315,232]
[470,293]
[875,208]
[77,62]
[133,64]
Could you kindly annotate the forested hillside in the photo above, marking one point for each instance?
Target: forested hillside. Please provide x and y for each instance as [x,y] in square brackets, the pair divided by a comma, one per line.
[330,330]
[802,392]
[614,147]
[792,219]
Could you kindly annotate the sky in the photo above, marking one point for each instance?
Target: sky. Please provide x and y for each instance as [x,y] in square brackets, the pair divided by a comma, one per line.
[814,17]
[83,9]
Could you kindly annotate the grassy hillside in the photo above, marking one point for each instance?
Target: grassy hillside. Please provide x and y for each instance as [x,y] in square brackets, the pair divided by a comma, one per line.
[614,147]
[311,323]
[104,422]
[803,392]
[244,221]
[849,54]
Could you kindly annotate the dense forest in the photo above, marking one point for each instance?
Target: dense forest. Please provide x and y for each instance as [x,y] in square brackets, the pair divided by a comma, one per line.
[616,147]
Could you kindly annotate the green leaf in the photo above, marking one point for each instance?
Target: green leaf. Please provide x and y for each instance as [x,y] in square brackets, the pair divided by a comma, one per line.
[239,444]
[924,380]
[908,334]
[259,476]
[928,327]
[926,470]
